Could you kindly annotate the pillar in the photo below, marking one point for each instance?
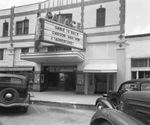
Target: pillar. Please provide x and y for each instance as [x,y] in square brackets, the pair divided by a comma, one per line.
[121,61]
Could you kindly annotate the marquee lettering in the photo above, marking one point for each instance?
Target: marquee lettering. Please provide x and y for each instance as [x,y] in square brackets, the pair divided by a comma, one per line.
[58,19]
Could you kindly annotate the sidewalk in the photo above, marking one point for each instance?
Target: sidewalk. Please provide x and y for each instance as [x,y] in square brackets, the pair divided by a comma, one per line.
[57,98]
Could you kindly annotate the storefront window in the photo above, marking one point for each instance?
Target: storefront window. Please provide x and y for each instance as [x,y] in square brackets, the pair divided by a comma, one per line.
[140,63]
[100,83]
[140,74]
[133,75]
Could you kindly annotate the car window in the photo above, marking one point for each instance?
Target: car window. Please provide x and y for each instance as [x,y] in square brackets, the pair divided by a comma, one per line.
[10,80]
[129,87]
[145,87]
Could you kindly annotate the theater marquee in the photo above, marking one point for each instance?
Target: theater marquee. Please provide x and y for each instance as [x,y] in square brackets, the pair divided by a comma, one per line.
[51,31]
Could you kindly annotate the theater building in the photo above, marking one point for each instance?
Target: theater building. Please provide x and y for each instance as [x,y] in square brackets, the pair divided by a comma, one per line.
[65,45]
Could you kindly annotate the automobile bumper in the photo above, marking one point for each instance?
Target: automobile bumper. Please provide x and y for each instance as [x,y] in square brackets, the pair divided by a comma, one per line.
[14,105]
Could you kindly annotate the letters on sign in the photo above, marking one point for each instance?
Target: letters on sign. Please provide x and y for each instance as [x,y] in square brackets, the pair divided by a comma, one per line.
[58,18]
[57,30]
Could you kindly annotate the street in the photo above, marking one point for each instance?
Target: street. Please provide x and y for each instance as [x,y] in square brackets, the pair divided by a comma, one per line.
[46,115]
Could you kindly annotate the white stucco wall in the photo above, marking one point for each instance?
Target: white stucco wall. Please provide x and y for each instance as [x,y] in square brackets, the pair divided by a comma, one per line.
[56,3]
[25,8]
[112,14]
[101,53]
[5,12]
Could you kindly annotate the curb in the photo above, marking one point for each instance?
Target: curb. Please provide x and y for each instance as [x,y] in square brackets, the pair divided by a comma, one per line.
[64,105]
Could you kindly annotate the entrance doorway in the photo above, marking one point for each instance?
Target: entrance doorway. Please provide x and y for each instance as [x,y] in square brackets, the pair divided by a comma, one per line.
[53,81]
[61,81]
[61,78]
[103,82]
[67,81]
[100,83]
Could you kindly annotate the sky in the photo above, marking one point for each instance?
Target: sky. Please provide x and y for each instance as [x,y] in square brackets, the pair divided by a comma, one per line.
[137,20]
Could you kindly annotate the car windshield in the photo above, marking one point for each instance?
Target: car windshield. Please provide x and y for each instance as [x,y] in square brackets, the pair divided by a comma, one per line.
[10,80]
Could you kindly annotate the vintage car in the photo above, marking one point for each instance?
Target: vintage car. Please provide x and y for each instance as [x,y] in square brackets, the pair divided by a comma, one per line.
[132,85]
[14,91]
[134,110]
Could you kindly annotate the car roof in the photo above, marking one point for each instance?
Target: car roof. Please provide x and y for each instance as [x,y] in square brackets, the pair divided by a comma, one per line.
[12,75]
[138,80]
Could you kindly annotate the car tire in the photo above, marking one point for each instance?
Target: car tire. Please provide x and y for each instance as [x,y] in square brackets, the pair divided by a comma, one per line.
[12,92]
[106,123]
[99,106]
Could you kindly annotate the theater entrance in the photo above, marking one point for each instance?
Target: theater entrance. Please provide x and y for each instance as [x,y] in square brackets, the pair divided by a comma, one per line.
[61,81]
[66,82]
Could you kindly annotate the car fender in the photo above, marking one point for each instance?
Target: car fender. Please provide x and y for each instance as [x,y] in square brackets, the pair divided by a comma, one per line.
[113,117]
[105,103]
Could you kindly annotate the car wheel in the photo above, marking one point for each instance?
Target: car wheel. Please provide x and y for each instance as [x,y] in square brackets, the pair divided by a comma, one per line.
[106,123]
[9,95]
[99,106]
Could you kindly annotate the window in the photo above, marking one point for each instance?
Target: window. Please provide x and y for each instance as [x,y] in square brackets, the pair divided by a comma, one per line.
[143,64]
[140,74]
[10,80]
[19,28]
[22,27]
[145,87]
[1,54]
[100,17]
[139,63]
[134,75]
[144,74]
[5,29]
[24,50]
[129,86]
[26,26]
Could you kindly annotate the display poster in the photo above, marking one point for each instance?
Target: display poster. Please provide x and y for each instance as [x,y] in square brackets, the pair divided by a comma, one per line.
[80,79]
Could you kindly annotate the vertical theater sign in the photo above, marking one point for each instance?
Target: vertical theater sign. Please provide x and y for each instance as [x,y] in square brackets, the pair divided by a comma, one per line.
[52,30]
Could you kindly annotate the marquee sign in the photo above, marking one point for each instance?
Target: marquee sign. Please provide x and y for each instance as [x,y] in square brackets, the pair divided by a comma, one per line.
[50,31]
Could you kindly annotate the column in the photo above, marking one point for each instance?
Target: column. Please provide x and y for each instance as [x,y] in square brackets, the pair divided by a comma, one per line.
[121,61]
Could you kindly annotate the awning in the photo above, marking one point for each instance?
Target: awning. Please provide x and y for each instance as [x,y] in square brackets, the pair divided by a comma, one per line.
[53,58]
[107,67]
[16,68]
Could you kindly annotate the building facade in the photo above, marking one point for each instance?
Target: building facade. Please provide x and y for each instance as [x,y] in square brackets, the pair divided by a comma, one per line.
[97,68]
[137,56]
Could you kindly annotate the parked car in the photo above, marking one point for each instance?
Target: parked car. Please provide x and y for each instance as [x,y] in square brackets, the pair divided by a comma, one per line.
[132,85]
[14,91]
[134,110]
